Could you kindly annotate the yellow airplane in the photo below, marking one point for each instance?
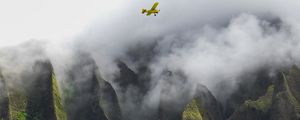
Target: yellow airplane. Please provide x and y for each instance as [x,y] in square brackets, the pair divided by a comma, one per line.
[153,10]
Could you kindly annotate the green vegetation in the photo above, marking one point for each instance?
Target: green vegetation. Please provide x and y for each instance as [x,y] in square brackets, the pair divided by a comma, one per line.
[58,107]
[291,98]
[21,116]
[192,111]
[264,102]
[293,81]
[17,104]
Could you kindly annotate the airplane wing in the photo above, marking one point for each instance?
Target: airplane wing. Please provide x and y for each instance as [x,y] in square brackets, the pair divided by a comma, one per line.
[154,6]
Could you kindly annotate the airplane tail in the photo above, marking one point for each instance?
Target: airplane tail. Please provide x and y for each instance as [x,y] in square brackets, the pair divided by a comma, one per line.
[144,10]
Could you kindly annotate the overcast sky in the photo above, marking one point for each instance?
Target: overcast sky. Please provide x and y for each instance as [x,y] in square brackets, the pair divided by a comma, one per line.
[21,20]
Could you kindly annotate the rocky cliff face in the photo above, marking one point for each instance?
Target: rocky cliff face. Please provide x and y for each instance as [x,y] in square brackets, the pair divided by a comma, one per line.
[82,100]
[3,99]
[285,103]
[278,103]
[39,100]
[203,106]
[85,95]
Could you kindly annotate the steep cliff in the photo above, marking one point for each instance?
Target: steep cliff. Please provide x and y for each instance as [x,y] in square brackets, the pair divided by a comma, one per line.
[4,109]
[86,95]
[285,103]
[280,102]
[203,106]
[255,110]
[40,100]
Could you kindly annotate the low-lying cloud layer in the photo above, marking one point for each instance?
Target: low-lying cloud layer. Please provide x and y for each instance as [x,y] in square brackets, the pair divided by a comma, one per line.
[209,41]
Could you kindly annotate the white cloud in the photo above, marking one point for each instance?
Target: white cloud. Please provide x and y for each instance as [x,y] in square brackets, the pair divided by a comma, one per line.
[53,20]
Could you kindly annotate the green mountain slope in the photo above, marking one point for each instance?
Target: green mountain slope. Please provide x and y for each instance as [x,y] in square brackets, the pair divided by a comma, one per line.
[40,100]
[58,107]
[192,111]
[280,102]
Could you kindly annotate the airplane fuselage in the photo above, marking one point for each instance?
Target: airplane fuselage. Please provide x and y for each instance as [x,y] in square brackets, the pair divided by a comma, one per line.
[149,12]
[152,11]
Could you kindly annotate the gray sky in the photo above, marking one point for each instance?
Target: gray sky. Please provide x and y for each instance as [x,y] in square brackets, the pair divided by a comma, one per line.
[54,20]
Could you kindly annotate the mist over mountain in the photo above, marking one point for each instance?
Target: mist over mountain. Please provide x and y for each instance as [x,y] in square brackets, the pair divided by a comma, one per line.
[196,60]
